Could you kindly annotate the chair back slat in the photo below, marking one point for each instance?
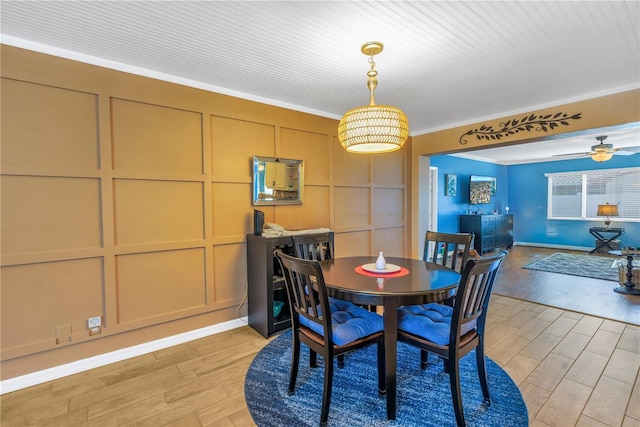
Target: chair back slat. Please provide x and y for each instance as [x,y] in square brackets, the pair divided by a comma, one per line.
[448,249]
[474,292]
[317,247]
[306,291]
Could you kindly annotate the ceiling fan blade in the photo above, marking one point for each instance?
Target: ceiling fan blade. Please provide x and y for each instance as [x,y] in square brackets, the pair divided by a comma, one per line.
[571,154]
[627,151]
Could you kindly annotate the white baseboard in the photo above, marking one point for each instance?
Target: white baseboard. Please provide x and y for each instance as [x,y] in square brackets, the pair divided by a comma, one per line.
[544,245]
[82,365]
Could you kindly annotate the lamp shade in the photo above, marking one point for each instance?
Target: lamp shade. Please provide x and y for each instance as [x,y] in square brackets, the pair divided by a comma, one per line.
[373,129]
[607,210]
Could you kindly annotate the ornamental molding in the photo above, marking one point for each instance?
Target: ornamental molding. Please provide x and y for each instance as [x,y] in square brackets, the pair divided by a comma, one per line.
[528,123]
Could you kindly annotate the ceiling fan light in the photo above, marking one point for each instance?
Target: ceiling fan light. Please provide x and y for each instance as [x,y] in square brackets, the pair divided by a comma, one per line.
[601,156]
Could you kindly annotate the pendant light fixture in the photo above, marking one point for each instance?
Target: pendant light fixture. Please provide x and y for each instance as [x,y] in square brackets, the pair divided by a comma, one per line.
[373,128]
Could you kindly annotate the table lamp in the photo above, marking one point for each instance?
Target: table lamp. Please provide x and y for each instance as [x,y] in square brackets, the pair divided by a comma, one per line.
[608,211]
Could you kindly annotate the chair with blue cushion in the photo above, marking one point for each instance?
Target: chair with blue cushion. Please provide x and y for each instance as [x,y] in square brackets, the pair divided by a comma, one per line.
[319,247]
[448,249]
[452,332]
[346,329]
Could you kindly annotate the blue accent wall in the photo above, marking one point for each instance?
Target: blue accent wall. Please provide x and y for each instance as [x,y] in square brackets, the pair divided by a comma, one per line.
[450,207]
[524,189]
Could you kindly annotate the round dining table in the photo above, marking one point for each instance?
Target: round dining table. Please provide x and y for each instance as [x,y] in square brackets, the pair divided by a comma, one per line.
[414,282]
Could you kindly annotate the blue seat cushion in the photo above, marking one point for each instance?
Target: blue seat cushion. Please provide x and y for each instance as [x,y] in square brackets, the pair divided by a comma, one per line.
[348,322]
[429,321]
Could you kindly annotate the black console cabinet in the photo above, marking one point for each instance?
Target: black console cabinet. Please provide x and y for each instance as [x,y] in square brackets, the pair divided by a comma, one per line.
[491,231]
[266,284]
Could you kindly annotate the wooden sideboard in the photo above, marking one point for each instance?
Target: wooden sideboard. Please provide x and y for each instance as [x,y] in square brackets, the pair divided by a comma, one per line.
[491,231]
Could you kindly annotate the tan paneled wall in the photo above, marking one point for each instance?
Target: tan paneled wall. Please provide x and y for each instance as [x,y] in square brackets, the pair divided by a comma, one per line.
[129,198]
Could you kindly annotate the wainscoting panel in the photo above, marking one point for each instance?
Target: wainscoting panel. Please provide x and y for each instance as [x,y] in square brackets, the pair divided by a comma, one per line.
[48,128]
[230,273]
[38,298]
[354,243]
[311,147]
[235,142]
[155,138]
[160,284]
[158,211]
[353,207]
[387,206]
[390,241]
[45,214]
[313,213]
[231,209]
[349,168]
[389,168]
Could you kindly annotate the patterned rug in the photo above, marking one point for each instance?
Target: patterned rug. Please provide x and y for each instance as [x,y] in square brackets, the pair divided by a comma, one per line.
[423,396]
[598,267]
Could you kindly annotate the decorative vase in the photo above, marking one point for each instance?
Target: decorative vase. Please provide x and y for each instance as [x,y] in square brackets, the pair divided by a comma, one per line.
[380,262]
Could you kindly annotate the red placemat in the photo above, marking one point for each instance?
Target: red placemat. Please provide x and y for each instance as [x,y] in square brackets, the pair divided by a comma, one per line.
[402,272]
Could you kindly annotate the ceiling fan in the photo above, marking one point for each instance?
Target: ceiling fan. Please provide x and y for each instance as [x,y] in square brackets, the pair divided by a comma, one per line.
[602,152]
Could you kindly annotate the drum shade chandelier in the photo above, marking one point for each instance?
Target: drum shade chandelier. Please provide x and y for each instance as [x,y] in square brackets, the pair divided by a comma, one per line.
[373,128]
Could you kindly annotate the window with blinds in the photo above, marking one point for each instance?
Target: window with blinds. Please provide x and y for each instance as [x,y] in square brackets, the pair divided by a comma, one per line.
[576,195]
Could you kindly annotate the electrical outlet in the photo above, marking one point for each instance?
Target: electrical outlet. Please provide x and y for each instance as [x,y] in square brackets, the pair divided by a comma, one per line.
[95,325]
[63,334]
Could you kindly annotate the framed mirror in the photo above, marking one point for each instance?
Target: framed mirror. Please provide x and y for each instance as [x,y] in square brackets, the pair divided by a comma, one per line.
[277,181]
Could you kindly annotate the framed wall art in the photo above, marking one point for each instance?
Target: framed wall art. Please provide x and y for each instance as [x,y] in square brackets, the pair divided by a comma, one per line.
[451,185]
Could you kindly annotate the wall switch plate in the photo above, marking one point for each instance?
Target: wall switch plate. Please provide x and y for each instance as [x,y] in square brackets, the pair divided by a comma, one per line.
[95,325]
[94,322]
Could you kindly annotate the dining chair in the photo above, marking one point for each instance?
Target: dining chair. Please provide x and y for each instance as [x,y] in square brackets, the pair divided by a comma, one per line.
[347,328]
[452,332]
[317,246]
[448,249]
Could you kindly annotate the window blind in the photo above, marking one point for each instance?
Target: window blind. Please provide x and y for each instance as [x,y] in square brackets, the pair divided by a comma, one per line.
[576,195]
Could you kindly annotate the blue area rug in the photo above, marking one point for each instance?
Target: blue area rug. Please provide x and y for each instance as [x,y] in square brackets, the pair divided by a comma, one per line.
[423,399]
[598,267]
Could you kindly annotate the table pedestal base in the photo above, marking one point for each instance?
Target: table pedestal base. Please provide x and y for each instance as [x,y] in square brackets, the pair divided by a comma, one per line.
[629,290]
[628,287]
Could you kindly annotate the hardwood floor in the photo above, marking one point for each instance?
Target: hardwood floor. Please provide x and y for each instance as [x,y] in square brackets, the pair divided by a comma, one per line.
[573,369]
[575,293]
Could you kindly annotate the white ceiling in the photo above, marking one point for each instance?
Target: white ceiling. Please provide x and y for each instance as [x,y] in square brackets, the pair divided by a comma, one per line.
[445,64]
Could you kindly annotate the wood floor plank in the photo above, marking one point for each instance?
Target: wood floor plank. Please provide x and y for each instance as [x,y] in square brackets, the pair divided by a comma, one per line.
[168,377]
[117,390]
[126,414]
